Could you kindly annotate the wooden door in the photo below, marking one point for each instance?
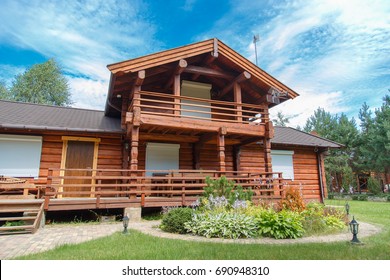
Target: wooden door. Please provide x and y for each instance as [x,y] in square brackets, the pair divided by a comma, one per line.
[79,155]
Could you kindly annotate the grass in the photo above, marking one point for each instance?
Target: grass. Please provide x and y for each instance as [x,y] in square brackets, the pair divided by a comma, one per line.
[144,247]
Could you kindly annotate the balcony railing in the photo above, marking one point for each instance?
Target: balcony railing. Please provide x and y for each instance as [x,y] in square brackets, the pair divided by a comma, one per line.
[197,108]
[184,186]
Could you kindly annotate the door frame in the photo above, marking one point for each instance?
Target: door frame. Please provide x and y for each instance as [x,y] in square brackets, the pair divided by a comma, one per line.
[65,140]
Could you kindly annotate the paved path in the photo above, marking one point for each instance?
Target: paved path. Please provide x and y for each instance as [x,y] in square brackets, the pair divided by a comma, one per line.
[51,236]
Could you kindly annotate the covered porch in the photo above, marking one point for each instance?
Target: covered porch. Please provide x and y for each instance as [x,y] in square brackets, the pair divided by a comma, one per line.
[111,188]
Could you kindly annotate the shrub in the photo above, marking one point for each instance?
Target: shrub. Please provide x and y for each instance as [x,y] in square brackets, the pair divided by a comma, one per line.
[279,225]
[223,225]
[292,200]
[362,197]
[388,197]
[330,196]
[318,219]
[355,197]
[373,185]
[174,220]
[223,187]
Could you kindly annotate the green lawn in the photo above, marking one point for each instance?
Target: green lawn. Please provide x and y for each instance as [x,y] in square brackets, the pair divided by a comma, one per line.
[140,246]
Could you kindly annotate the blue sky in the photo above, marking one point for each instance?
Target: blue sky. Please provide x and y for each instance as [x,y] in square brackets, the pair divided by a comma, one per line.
[334,53]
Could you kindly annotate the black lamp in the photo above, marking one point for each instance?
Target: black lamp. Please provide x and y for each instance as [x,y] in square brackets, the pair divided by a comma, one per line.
[354,227]
[347,208]
[125,224]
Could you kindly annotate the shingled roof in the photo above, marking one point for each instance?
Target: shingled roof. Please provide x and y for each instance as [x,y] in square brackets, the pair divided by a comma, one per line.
[292,136]
[17,115]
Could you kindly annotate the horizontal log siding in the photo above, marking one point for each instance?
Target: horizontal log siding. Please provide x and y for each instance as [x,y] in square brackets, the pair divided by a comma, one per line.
[306,176]
[109,154]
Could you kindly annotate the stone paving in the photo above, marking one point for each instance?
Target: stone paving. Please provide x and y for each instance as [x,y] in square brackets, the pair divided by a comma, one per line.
[51,236]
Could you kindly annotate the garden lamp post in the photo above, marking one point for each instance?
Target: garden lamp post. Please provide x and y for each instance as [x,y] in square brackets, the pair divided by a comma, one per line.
[125,221]
[354,227]
[347,208]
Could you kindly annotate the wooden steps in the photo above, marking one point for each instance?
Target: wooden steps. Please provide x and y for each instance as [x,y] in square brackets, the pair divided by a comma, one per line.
[20,216]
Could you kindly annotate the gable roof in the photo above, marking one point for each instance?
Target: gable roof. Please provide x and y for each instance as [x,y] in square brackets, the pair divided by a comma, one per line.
[224,65]
[207,46]
[292,136]
[28,116]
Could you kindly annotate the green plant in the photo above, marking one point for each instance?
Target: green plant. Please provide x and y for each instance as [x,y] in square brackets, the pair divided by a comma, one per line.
[373,185]
[279,225]
[13,223]
[388,197]
[223,225]
[362,197]
[318,219]
[292,200]
[174,220]
[228,189]
[330,195]
[334,222]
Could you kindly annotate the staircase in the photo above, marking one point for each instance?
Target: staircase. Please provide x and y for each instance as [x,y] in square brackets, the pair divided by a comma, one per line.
[20,216]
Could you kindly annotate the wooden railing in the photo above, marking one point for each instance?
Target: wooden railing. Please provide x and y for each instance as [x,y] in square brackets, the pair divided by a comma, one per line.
[197,108]
[185,185]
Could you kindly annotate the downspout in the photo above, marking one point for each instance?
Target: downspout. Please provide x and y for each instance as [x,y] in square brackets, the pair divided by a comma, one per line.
[320,173]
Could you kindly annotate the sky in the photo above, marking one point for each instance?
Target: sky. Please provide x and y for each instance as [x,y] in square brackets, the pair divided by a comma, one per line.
[334,53]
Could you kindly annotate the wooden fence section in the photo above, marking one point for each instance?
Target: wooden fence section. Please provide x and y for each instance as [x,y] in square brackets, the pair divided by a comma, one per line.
[160,104]
[113,188]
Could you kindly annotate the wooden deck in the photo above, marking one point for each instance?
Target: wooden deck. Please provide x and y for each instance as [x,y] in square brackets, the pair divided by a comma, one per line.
[112,188]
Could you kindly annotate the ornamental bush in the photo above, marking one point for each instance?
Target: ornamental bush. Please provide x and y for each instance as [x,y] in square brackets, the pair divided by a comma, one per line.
[223,187]
[318,219]
[223,225]
[175,219]
[292,200]
[279,225]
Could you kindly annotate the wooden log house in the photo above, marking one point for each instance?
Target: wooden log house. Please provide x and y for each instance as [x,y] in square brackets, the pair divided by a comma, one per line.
[171,119]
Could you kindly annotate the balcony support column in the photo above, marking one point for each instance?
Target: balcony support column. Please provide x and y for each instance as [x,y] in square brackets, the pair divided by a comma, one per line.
[221,148]
[238,101]
[176,93]
[134,157]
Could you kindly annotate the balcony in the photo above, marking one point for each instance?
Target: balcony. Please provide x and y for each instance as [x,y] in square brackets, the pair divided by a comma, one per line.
[182,112]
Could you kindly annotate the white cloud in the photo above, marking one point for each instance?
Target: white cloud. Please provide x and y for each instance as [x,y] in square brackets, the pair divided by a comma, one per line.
[8,72]
[334,53]
[83,36]
[87,93]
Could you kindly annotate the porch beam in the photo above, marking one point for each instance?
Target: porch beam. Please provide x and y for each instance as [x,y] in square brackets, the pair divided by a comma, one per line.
[182,64]
[210,59]
[239,79]
[208,72]
[250,141]
[206,137]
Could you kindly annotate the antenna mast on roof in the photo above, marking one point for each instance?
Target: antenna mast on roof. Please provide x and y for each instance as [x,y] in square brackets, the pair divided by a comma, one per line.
[256,38]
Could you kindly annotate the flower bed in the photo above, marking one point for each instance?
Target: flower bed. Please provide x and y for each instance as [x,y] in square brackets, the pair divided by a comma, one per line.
[226,212]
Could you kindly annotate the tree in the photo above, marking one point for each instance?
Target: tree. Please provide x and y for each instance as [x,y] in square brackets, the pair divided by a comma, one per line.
[321,122]
[43,84]
[281,119]
[4,92]
[344,131]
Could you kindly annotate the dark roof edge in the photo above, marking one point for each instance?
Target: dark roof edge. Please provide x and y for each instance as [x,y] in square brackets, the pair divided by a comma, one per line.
[56,128]
[50,106]
[312,135]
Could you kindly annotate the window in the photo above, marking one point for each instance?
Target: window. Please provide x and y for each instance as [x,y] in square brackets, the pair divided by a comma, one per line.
[282,161]
[161,156]
[20,155]
[198,90]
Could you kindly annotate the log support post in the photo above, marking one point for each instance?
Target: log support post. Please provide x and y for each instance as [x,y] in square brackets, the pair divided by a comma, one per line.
[221,148]
[238,101]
